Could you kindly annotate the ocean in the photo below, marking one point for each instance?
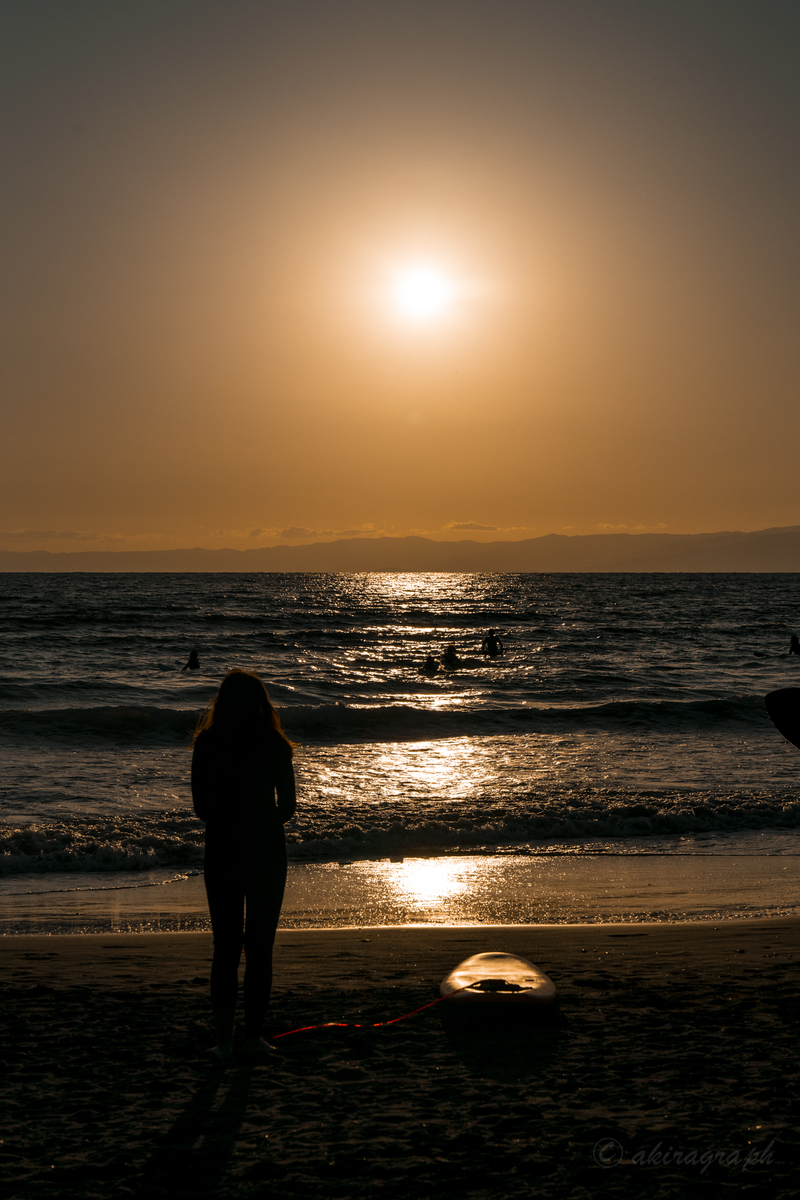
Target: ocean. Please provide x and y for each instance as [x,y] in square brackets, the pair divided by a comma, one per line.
[626,716]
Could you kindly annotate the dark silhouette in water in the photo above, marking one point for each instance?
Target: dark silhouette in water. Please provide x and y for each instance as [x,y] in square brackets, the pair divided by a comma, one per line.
[430,666]
[450,659]
[783,707]
[243,788]
[491,646]
[194,660]
[794,645]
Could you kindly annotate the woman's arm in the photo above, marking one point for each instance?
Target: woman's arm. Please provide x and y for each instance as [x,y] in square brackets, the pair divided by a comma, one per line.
[286,790]
[204,779]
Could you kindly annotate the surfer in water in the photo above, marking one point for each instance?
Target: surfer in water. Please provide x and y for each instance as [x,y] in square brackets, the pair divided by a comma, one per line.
[794,645]
[491,646]
[194,660]
[450,658]
[430,666]
[243,788]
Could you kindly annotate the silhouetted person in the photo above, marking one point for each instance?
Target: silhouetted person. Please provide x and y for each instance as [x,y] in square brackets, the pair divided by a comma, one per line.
[194,660]
[450,659]
[491,646]
[243,788]
[430,666]
[794,645]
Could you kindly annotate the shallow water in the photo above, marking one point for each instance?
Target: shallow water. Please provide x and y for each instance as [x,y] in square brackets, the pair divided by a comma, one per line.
[626,707]
[512,889]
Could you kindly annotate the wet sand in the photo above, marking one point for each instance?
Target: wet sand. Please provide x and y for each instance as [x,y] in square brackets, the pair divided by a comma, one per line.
[671,1040]
[444,891]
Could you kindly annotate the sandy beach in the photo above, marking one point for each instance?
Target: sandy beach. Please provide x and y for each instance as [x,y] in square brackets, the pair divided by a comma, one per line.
[671,1064]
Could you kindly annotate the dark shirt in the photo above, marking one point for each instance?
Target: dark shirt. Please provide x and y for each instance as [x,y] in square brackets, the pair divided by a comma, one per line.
[243,789]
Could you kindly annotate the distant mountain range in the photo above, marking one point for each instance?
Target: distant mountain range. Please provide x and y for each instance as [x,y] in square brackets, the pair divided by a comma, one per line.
[765,550]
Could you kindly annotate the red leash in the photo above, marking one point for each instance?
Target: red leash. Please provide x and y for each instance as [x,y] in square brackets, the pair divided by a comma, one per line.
[357,1025]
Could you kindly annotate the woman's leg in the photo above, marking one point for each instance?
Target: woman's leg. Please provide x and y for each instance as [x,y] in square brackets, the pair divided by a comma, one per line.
[265,887]
[225,892]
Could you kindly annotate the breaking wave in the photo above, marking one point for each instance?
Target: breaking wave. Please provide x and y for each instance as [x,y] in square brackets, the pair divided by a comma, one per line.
[331,833]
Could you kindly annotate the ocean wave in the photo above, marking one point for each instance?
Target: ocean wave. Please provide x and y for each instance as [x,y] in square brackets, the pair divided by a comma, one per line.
[530,821]
[324,833]
[388,722]
[173,838]
[122,723]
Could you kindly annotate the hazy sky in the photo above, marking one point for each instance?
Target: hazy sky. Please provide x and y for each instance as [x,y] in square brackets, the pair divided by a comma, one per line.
[211,210]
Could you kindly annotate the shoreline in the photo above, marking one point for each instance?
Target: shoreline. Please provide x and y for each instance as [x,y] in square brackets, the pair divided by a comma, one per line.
[445,891]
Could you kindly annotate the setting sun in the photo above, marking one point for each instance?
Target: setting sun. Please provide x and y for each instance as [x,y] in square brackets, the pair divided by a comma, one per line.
[423,292]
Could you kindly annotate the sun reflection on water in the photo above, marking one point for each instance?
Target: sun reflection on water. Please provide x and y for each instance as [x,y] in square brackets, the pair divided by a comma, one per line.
[428,884]
[416,585]
[452,767]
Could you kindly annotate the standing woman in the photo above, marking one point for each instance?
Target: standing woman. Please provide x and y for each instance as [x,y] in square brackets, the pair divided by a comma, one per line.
[243,788]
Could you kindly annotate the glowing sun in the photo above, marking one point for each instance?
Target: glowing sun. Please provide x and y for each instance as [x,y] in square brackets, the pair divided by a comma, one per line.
[423,293]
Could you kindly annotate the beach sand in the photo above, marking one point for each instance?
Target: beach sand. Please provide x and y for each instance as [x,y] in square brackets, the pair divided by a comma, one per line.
[671,1039]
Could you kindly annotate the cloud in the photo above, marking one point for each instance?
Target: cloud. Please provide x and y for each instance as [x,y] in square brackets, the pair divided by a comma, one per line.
[349,532]
[56,535]
[299,531]
[258,532]
[633,529]
[473,526]
[296,531]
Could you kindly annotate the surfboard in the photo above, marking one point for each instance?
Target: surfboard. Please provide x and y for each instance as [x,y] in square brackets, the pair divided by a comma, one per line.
[497,978]
[783,707]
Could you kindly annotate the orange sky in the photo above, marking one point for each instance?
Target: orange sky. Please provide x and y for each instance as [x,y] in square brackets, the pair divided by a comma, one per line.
[207,205]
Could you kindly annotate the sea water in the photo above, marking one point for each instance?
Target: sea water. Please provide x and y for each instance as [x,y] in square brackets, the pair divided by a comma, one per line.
[625,717]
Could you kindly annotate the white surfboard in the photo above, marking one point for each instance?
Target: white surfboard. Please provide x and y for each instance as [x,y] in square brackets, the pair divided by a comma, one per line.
[497,978]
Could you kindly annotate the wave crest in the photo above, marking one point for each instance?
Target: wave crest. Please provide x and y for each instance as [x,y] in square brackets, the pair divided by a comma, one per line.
[386,722]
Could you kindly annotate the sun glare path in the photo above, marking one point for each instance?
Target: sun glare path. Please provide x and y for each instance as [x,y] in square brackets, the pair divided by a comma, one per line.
[423,293]
[428,884]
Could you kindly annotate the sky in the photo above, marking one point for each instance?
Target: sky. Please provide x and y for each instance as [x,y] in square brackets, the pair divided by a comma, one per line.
[277,272]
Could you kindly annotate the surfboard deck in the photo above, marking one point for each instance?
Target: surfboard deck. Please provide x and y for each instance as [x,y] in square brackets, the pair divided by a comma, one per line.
[498,978]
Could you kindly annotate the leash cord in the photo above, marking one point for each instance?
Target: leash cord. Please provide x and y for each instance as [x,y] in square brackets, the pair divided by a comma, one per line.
[368,1025]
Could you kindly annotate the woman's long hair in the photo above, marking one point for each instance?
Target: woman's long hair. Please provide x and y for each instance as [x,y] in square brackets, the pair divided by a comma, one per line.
[242,708]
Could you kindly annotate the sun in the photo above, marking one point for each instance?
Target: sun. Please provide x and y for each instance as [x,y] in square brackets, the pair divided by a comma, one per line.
[423,293]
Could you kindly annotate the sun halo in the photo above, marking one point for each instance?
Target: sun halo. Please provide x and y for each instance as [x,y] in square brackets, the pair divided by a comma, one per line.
[423,293]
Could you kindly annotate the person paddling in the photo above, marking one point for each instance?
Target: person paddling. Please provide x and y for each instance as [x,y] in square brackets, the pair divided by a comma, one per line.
[243,788]
[194,660]
[450,658]
[491,646]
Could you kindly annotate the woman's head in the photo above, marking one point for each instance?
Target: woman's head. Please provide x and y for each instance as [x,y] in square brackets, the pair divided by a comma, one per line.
[241,706]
